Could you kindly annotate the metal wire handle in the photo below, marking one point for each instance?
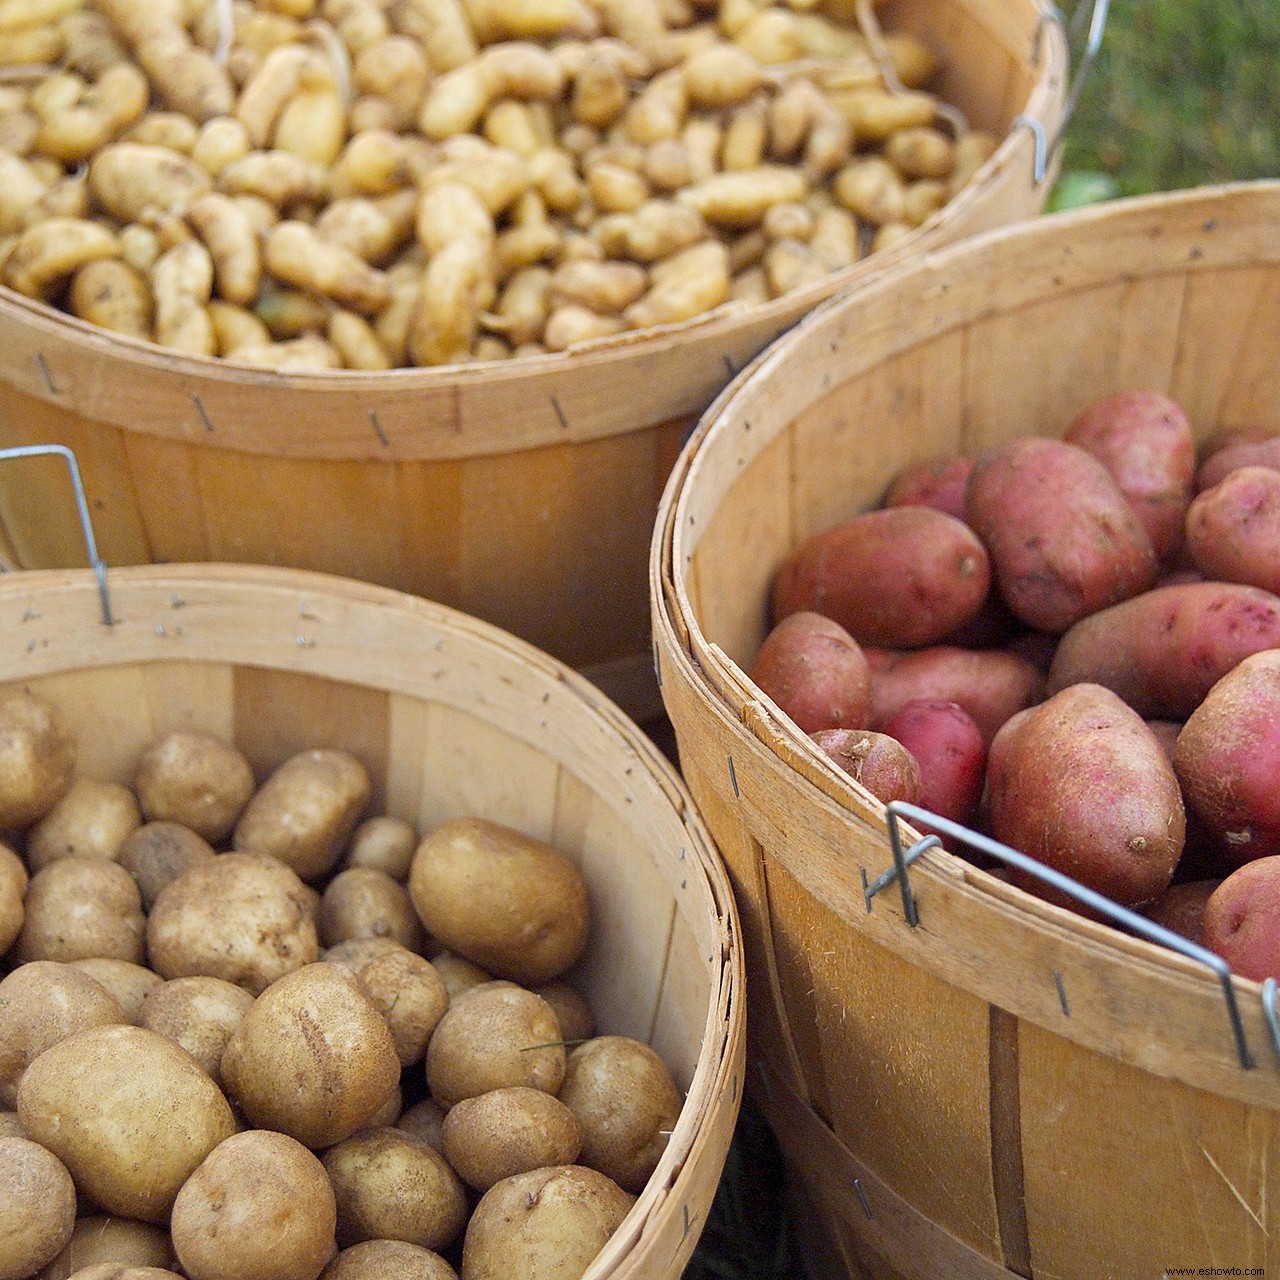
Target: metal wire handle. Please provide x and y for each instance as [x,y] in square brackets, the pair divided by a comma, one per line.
[1044,149]
[86,525]
[903,857]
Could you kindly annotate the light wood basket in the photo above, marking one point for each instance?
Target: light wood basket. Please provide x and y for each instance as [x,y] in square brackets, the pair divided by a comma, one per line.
[524,494]
[1005,1089]
[451,717]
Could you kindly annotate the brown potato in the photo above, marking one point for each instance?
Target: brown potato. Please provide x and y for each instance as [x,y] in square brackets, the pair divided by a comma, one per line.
[305,812]
[13,892]
[900,577]
[1081,784]
[573,1012]
[199,1013]
[496,1035]
[510,903]
[1180,908]
[129,983]
[403,986]
[258,1205]
[195,779]
[385,843]
[37,757]
[1144,440]
[243,917]
[41,1003]
[77,908]
[1233,529]
[1227,757]
[37,1209]
[626,1102]
[10,1125]
[508,1131]
[424,1122]
[1164,650]
[98,1238]
[93,819]
[459,975]
[117,1271]
[815,672]
[932,482]
[118,1137]
[158,853]
[388,1260]
[390,1187]
[551,1221]
[990,684]
[363,902]
[1062,538]
[319,1088]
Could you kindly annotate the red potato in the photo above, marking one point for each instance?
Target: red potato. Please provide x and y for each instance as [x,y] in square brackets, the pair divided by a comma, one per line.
[880,763]
[990,684]
[1163,651]
[1081,784]
[1243,448]
[937,482]
[1233,529]
[1062,539]
[952,753]
[1145,441]
[1228,759]
[1180,908]
[901,577]
[1241,920]
[815,671]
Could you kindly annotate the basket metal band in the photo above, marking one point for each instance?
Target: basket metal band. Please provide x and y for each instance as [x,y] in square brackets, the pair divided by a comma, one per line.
[98,565]
[1044,149]
[903,857]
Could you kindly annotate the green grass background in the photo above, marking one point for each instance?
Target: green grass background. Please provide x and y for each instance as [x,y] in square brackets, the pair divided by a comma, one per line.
[1181,93]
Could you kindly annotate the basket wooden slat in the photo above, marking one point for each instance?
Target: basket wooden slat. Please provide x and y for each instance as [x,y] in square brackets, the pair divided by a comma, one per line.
[523,493]
[1041,1083]
[451,716]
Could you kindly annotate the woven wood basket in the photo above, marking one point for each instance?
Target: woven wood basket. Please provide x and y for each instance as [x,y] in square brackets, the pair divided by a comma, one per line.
[1006,1088]
[523,494]
[451,717]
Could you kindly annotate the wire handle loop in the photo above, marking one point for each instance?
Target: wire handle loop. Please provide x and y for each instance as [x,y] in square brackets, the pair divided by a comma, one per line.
[1044,149]
[82,505]
[897,810]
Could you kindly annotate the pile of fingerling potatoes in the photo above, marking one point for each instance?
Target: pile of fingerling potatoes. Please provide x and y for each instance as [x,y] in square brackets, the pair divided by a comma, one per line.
[251,1029]
[1071,645]
[372,184]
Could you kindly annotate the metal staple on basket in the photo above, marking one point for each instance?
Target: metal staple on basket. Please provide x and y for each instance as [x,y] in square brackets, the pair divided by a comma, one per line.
[1112,911]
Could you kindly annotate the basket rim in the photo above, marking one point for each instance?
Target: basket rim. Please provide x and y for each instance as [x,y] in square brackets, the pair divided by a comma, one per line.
[410,413]
[759,730]
[141,594]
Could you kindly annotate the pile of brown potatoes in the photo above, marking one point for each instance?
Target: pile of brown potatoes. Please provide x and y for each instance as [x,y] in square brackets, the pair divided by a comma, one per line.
[251,1031]
[370,184]
[1073,646]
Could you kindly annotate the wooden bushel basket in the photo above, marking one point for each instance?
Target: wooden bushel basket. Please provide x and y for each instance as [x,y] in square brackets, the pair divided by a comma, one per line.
[1005,1088]
[524,494]
[451,717]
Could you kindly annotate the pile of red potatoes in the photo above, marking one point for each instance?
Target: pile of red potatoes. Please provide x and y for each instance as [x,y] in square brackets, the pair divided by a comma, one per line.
[1073,646]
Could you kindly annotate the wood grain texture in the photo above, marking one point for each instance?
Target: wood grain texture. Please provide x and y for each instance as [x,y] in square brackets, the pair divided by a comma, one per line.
[451,716]
[523,492]
[1107,1076]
